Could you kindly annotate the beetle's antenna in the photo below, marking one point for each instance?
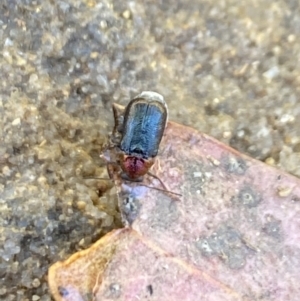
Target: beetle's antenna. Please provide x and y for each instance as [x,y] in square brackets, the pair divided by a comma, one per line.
[162,184]
[97,178]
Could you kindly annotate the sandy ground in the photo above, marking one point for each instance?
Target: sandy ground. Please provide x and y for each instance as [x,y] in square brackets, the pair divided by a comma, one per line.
[228,68]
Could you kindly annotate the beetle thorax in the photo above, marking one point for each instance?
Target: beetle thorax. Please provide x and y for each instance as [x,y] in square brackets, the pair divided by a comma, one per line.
[135,166]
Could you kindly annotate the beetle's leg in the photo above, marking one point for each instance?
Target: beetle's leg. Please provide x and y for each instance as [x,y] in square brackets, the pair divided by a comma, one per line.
[112,167]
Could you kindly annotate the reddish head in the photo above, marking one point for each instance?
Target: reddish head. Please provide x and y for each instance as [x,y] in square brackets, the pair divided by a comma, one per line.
[135,167]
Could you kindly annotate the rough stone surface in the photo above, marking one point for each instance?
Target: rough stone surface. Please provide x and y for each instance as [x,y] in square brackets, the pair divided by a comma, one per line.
[227,68]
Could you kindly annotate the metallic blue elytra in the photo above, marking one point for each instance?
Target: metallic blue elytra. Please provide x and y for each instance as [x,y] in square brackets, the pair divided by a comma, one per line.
[144,123]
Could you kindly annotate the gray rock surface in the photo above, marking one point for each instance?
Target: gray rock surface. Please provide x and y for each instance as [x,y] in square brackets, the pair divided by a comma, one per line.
[228,68]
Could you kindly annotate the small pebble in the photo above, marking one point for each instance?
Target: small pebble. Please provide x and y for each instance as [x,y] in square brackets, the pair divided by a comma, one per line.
[16,121]
[126,14]
[284,191]
[197,174]
[272,73]
[36,282]
[6,171]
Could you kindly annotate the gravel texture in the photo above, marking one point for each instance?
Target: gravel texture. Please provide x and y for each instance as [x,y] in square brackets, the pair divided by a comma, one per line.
[228,68]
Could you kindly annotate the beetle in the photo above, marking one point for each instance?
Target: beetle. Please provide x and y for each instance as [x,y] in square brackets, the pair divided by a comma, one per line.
[136,137]
[139,133]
